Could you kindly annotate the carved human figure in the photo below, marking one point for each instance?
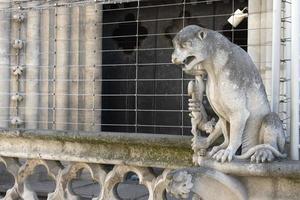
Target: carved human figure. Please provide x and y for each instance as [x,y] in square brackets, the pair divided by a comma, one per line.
[236,93]
[198,114]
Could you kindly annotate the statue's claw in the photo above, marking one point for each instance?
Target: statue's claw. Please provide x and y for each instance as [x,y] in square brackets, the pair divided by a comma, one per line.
[215,149]
[224,155]
[262,155]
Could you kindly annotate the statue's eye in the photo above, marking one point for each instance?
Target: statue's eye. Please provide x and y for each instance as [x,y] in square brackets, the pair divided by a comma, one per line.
[186,44]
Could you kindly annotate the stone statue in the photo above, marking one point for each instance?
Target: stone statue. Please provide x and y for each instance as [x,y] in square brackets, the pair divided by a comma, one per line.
[198,114]
[236,93]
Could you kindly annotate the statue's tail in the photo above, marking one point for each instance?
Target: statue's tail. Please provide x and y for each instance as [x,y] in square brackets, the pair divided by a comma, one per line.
[254,149]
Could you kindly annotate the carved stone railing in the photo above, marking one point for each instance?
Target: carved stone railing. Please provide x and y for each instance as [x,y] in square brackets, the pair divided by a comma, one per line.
[108,180]
[108,158]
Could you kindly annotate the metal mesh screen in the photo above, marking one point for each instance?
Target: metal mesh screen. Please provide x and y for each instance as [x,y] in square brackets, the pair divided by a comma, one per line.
[151,91]
[105,66]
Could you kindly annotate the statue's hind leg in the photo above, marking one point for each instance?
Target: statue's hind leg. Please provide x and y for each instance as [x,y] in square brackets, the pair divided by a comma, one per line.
[251,136]
[271,134]
[223,128]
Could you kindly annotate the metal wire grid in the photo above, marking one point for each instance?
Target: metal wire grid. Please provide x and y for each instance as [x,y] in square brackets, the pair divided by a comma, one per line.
[182,126]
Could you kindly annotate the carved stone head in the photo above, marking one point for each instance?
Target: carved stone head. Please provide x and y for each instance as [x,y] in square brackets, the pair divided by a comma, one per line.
[191,47]
[180,184]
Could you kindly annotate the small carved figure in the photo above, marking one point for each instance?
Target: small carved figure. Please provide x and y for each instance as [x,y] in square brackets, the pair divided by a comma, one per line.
[180,184]
[17,70]
[16,121]
[18,44]
[16,97]
[198,114]
[236,93]
[19,17]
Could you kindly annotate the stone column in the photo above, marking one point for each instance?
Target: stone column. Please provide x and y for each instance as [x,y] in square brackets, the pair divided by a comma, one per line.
[46,39]
[62,69]
[254,31]
[32,65]
[4,63]
[75,66]
[93,60]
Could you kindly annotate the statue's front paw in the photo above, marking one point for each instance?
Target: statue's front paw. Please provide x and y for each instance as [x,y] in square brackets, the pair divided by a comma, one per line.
[224,155]
[262,155]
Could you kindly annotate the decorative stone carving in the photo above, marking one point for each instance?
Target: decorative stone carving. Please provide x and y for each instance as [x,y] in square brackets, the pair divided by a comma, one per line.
[236,93]
[12,165]
[16,120]
[17,97]
[63,189]
[19,17]
[180,185]
[160,185]
[21,188]
[205,184]
[198,114]
[17,70]
[118,174]
[18,44]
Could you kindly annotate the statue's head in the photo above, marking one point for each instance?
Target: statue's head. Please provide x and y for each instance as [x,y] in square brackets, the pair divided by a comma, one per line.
[191,47]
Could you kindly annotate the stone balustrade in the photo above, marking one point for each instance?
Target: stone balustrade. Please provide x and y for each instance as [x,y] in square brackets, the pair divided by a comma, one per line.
[107,180]
[108,158]
[159,165]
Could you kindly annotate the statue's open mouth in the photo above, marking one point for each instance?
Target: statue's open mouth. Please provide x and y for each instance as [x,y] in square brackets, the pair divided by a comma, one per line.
[190,63]
[188,60]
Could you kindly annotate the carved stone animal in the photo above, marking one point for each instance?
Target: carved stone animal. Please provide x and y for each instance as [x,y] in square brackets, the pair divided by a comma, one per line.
[236,93]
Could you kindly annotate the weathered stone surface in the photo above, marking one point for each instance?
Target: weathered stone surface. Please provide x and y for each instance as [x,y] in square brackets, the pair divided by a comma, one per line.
[114,148]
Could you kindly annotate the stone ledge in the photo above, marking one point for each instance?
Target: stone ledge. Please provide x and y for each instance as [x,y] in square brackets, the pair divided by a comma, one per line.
[103,137]
[281,168]
[147,150]
[165,151]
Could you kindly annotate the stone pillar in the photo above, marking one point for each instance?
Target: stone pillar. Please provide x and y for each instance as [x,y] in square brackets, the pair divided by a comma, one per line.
[45,62]
[75,66]
[33,52]
[62,69]
[93,60]
[4,63]
[259,38]
[254,31]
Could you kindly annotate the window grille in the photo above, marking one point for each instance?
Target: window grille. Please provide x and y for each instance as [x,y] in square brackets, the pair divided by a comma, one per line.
[105,66]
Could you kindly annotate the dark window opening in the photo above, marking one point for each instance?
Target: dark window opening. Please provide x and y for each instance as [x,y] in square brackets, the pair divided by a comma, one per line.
[142,91]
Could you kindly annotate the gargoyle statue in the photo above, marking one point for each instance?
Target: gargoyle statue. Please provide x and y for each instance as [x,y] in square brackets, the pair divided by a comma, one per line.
[236,93]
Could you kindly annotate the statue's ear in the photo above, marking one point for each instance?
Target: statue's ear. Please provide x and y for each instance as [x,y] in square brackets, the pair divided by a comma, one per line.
[202,35]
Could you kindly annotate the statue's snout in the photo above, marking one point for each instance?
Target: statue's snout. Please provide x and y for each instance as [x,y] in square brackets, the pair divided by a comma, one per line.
[175,60]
